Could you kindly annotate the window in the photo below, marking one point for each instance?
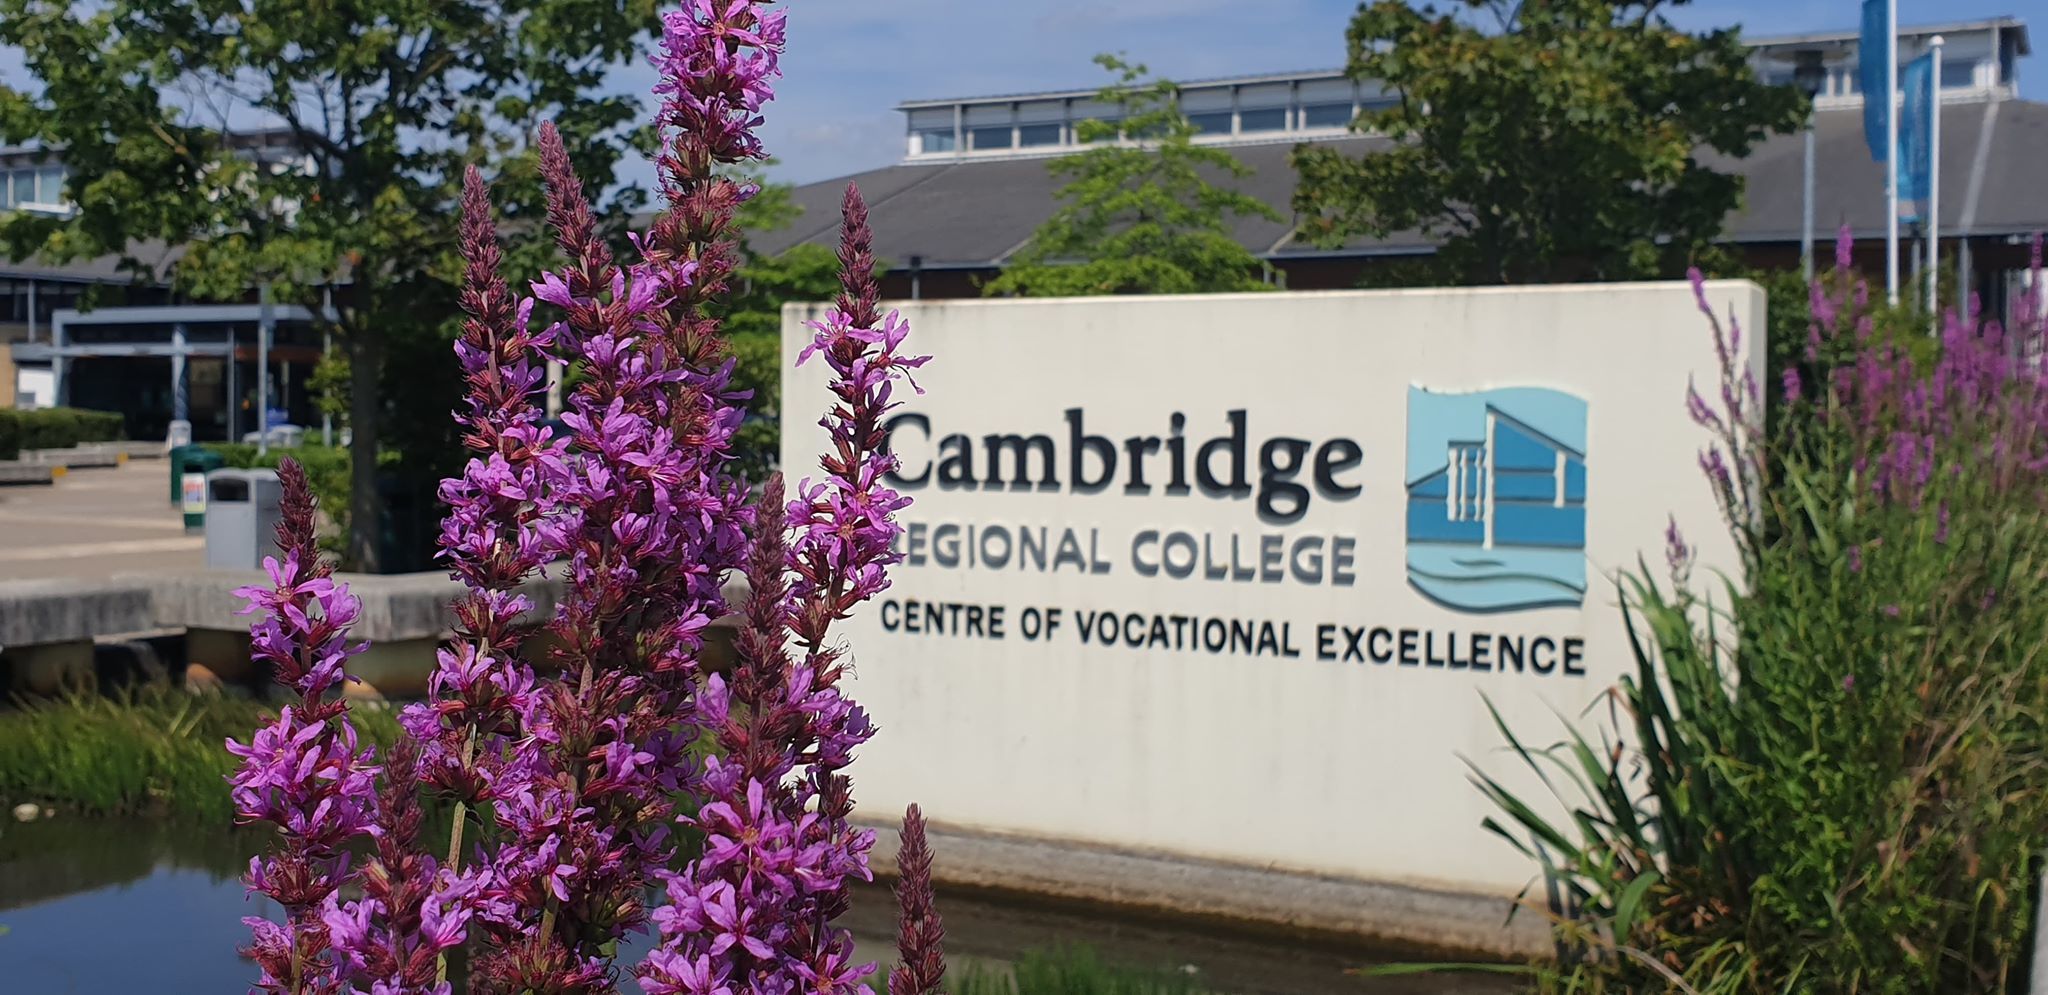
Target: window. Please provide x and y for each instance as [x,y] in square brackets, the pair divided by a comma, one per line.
[1326,115]
[1211,122]
[935,140]
[995,137]
[24,187]
[50,185]
[1960,74]
[1033,135]
[1263,119]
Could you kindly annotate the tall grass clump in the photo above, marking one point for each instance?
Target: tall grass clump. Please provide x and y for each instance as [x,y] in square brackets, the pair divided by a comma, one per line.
[1829,774]
[143,752]
[1072,971]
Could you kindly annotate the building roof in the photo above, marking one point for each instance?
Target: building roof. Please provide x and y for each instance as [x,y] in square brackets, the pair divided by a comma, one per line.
[1081,93]
[2012,27]
[975,214]
[156,255]
[2005,25]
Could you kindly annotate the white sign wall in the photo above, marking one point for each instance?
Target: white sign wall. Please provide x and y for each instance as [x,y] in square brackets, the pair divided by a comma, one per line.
[1232,577]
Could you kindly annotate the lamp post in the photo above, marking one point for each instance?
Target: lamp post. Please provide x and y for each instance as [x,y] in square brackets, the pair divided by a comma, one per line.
[1808,74]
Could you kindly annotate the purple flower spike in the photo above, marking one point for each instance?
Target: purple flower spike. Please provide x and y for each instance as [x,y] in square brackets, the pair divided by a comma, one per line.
[920,935]
[305,772]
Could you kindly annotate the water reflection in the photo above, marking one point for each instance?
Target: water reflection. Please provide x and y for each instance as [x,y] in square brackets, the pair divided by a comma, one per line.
[127,906]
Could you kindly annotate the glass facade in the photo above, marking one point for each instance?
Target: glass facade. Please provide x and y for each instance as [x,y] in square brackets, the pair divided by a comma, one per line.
[1326,115]
[1255,108]
[1262,119]
[1036,135]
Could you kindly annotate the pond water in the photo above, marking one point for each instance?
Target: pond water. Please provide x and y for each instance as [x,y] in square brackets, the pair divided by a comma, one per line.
[92,906]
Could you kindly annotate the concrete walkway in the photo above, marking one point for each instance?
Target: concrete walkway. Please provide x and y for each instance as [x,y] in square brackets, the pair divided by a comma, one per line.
[96,523]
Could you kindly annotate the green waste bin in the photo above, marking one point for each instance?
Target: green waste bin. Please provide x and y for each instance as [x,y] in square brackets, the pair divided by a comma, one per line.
[189,466]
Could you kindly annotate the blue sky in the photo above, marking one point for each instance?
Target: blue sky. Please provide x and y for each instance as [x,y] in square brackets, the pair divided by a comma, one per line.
[851,61]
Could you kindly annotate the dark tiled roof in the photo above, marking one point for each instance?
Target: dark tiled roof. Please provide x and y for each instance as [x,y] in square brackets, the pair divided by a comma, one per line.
[105,269]
[975,214]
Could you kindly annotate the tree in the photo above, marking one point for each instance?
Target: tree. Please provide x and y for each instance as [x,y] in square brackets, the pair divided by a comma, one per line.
[1560,145]
[752,320]
[1144,213]
[379,105]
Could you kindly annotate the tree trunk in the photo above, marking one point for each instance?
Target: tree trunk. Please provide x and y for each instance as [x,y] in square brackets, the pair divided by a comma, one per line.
[366,405]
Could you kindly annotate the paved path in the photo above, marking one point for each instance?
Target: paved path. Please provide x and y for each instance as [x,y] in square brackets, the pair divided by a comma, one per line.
[94,523]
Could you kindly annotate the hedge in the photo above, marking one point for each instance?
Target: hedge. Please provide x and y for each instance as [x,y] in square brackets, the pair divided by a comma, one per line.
[55,428]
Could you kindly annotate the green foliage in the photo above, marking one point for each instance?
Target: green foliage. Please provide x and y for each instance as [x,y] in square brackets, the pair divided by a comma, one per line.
[377,107]
[752,318]
[1144,211]
[148,752]
[55,428]
[1829,776]
[1543,142]
[1070,971]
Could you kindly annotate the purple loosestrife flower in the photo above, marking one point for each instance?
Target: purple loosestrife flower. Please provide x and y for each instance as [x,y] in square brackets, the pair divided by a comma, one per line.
[647,517]
[756,910]
[305,772]
[411,910]
[1677,555]
[493,535]
[920,935]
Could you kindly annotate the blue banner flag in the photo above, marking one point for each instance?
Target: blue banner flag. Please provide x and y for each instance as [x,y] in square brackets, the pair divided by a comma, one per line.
[1916,136]
[1872,51]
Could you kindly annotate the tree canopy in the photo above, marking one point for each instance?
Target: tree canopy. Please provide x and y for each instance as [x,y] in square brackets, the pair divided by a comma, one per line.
[371,107]
[1546,141]
[1147,210]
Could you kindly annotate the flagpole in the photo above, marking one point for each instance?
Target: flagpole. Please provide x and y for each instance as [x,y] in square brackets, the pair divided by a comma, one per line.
[1891,151]
[1934,190]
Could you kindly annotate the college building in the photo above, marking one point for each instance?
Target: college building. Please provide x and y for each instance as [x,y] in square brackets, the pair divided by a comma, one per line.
[113,335]
[972,185]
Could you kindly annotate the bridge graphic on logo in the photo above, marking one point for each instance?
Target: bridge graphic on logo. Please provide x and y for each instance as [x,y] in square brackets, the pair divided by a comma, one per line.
[1497,498]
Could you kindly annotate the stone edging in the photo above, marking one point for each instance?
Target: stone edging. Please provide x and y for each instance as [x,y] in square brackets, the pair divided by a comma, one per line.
[1433,922]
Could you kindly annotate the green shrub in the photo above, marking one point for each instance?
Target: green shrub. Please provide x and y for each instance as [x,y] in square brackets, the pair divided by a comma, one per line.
[56,428]
[154,752]
[1831,778]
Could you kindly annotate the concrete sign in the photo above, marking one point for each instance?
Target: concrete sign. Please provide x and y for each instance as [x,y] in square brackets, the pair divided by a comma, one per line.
[1232,578]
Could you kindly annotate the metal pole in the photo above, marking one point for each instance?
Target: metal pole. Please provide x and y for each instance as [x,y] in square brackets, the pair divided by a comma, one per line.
[228,383]
[60,373]
[1934,194]
[180,408]
[263,327]
[1891,152]
[1806,211]
[31,310]
[326,417]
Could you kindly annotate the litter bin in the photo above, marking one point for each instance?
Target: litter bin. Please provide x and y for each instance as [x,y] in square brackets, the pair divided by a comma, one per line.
[189,466]
[242,512]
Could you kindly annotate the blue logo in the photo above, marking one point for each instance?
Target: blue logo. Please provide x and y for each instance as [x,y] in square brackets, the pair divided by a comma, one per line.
[1497,498]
